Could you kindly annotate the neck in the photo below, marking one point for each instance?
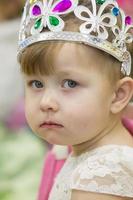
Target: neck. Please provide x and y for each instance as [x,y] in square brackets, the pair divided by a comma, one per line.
[114,134]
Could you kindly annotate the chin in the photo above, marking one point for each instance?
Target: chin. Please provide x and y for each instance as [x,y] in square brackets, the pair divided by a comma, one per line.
[51,140]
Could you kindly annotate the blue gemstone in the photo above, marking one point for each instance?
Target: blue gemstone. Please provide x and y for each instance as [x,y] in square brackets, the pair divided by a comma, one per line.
[115,11]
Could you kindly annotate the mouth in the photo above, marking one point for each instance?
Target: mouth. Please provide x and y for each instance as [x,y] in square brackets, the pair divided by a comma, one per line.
[50,124]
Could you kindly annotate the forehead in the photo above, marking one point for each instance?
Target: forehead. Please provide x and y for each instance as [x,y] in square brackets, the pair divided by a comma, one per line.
[73,56]
[48,58]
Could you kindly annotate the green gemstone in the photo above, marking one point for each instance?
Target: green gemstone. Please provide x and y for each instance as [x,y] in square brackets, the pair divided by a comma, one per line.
[37,23]
[100,2]
[53,21]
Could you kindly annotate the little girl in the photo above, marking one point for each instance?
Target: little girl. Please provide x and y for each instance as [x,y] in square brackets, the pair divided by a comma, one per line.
[75,58]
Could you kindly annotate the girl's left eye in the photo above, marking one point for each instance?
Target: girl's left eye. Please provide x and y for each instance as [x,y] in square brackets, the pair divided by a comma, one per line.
[36,84]
[70,84]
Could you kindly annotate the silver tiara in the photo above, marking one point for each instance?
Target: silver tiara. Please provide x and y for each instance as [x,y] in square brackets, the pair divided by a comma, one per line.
[43,20]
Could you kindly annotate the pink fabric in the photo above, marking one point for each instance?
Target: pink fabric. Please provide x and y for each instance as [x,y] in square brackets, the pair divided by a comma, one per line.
[126,5]
[51,168]
[128,123]
[121,2]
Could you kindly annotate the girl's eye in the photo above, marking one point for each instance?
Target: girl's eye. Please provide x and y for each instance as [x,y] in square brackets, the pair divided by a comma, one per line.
[70,84]
[36,84]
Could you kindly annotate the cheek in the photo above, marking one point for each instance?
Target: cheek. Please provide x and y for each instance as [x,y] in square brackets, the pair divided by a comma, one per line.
[87,112]
[29,111]
[79,113]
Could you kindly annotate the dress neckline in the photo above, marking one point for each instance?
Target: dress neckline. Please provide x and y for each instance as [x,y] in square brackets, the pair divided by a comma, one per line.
[99,149]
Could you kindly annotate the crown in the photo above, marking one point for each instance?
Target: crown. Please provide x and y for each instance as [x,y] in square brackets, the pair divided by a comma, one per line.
[42,20]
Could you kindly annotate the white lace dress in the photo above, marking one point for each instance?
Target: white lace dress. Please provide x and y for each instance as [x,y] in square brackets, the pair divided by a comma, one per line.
[107,169]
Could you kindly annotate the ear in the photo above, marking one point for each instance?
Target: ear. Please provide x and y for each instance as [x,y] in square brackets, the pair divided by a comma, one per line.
[122,94]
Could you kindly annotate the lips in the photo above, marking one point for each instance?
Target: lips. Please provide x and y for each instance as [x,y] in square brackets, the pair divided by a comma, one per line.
[51,124]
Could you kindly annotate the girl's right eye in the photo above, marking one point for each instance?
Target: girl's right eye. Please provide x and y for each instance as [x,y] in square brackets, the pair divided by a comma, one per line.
[36,84]
[70,84]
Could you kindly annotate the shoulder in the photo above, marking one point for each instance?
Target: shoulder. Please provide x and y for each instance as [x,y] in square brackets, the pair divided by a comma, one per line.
[107,171]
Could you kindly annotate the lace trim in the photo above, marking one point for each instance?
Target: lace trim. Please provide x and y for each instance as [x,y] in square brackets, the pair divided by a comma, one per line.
[111,173]
[117,179]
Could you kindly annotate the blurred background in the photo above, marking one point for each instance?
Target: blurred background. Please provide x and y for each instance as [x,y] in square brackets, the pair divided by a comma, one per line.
[22,153]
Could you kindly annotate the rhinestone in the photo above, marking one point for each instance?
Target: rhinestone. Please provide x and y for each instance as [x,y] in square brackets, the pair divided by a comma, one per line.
[53,21]
[32,1]
[38,23]
[124,67]
[100,2]
[36,10]
[62,6]
[115,11]
[128,20]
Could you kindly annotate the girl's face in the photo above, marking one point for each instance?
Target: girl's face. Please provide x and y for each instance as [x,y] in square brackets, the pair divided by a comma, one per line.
[72,105]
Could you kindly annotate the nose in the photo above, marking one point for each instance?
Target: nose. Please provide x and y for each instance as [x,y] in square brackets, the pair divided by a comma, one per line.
[49,102]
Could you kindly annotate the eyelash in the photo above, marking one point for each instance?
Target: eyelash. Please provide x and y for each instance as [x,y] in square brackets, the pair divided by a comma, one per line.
[72,81]
[30,84]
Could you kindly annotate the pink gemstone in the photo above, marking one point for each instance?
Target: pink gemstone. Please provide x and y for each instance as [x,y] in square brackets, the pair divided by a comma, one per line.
[36,10]
[62,6]
[128,20]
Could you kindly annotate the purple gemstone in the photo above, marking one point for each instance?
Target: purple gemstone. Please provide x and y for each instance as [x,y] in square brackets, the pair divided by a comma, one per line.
[128,20]
[36,10]
[62,6]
